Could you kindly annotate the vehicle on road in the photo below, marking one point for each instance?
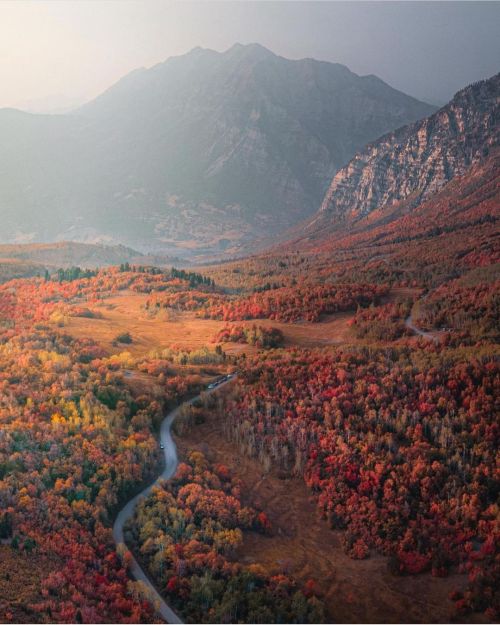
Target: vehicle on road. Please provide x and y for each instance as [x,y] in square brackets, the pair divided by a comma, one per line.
[221,380]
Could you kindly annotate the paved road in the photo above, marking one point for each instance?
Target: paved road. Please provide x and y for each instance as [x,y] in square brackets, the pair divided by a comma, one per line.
[427,335]
[410,324]
[127,511]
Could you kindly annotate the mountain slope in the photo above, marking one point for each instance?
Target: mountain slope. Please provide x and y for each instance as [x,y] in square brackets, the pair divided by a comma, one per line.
[198,152]
[405,167]
[66,254]
[26,260]
[448,234]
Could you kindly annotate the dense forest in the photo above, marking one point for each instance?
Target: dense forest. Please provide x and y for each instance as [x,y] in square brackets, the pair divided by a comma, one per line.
[76,440]
[398,446]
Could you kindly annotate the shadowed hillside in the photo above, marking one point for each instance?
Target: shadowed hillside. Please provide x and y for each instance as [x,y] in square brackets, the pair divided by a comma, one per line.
[196,153]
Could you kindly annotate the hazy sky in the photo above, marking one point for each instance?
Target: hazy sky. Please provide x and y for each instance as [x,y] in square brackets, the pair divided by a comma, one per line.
[55,53]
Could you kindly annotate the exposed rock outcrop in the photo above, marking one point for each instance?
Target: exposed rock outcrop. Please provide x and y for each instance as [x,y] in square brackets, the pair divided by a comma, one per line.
[413,162]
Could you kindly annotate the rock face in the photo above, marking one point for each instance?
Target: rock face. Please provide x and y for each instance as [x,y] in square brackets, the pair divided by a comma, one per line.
[408,165]
[199,152]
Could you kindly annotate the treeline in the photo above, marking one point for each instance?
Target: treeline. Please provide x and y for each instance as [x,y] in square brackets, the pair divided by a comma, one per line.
[202,356]
[70,274]
[382,323]
[301,302]
[472,311]
[260,336]
[183,300]
[194,279]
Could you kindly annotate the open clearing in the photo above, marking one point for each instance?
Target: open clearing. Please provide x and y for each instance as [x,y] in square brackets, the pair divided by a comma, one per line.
[126,313]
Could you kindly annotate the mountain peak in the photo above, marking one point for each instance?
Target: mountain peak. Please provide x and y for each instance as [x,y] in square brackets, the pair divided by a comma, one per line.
[207,147]
[237,49]
[250,50]
[251,47]
[196,50]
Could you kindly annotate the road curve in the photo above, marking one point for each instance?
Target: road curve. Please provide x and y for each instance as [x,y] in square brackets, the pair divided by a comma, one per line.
[171,461]
[410,324]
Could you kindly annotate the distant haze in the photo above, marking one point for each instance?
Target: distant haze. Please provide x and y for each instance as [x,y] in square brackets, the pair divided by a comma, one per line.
[54,55]
[203,151]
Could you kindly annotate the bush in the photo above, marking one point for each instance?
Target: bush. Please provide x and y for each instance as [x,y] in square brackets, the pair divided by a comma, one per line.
[124,338]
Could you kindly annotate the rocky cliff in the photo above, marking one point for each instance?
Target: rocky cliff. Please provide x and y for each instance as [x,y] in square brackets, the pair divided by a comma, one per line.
[408,165]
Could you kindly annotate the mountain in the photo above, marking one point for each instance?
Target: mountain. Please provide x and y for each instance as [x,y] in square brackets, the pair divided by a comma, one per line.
[455,227]
[56,103]
[69,254]
[26,260]
[438,208]
[11,268]
[399,171]
[453,233]
[197,153]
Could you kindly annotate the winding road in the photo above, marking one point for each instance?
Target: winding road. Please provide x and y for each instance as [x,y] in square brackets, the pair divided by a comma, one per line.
[171,461]
[410,324]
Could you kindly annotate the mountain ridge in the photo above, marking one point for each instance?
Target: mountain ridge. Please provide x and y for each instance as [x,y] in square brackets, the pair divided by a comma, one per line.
[34,258]
[197,153]
[411,163]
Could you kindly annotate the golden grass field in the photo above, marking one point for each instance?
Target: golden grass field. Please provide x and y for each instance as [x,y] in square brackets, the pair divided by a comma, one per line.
[125,313]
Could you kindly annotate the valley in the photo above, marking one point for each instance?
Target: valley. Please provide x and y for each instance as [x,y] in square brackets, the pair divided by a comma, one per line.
[149,337]
[125,313]
[250,322]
